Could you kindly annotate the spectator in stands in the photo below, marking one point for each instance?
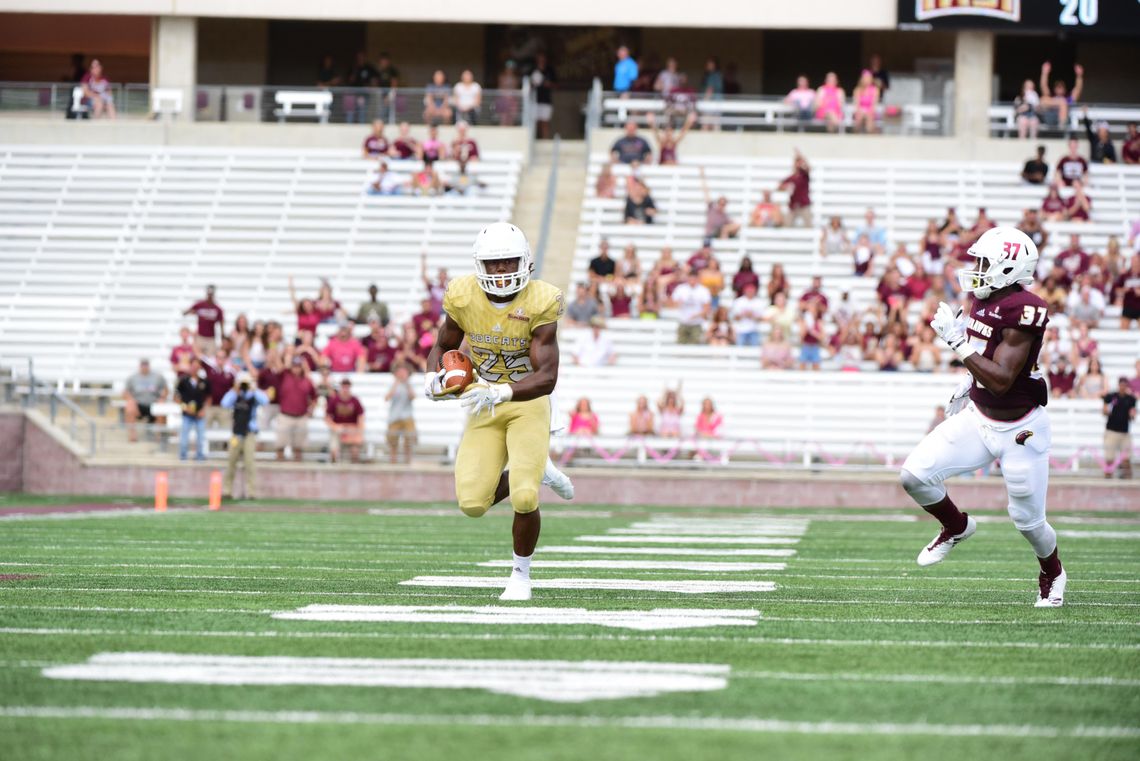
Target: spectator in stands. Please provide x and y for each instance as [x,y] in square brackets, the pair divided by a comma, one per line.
[97,91]
[432,149]
[1054,108]
[1062,378]
[181,354]
[713,279]
[373,308]
[141,391]
[709,421]
[426,182]
[376,144]
[1101,149]
[701,257]
[380,354]
[744,276]
[893,295]
[798,185]
[1072,167]
[668,141]
[327,74]
[1084,345]
[628,270]
[641,419]
[297,397]
[1030,224]
[668,79]
[361,76]
[382,182]
[1053,207]
[665,274]
[1079,206]
[220,374]
[631,147]
[693,303]
[814,294]
[719,331]
[240,335]
[876,234]
[464,149]
[718,224]
[863,255]
[620,302]
[544,80]
[1073,261]
[583,420]
[776,354]
[747,311]
[410,349]
[802,101]
[462,183]
[812,334]
[1110,264]
[670,408]
[647,303]
[625,71]
[902,261]
[427,319]
[777,283]
[880,73]
[211,322]
[405,146]
[437,99]
[889,355]
[345,419]
[594,349]
[387,75]
[343,353]
[766,213]
[1092,383]
[1120,411]
[640,208]
[830,99]
[833,238]
[711,87]
[193,392]
[1025,108]
[583,308]
[401,419]
[328,309]
[1036,170]
[508,101]
[1126,292]
[606,184]
[242,401]
[849,352]
[925,355]
[1130,150]
[468,98]
[866,99]
[601,268]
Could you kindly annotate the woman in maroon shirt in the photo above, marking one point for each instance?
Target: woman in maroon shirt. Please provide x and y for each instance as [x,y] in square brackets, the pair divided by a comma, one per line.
[1053,207]
[745,277]
[1079,207]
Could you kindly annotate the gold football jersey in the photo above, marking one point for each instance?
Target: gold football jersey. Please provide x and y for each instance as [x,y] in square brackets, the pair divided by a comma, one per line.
[499,334]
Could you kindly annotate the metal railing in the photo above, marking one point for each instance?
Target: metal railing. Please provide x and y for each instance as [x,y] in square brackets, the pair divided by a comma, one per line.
[548,205]
[58,404]
[259,103]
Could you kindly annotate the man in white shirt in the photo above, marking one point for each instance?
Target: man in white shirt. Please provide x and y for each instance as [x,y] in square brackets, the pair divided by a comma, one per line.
[693,303]
[1086,304]
[468,96]
[381,182]
[595,349]
[746,312]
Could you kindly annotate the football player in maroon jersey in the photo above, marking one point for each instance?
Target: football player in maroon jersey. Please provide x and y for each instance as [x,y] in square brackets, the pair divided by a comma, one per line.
[998,413]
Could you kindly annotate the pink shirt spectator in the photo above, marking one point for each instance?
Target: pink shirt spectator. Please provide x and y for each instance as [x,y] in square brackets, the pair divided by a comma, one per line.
[708,425]
[343,354]
[308,322]
[585,423]
[829,102]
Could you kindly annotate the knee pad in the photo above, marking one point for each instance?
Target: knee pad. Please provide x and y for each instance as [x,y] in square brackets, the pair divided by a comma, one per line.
[1042,538]
[1017,481]
[920,491]
[524,500]
[474,510]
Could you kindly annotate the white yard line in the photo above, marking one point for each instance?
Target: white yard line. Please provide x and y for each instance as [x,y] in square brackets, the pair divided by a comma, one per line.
[72,515]
[662,539]
[498,637]
[642,565]
[655,722]
[451,512]
[549,680]
[1060,681]
[1081,534]
[682,586]
[710,552]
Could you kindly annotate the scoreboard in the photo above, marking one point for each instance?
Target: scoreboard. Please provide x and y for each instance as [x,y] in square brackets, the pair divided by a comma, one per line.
[1118,17]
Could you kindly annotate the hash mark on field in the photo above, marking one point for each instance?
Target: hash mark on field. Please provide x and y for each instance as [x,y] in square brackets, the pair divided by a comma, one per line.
[1080,534]
[684,586]
[554,681]
[575,549]
[1059,681]
[642,565]
[665,722]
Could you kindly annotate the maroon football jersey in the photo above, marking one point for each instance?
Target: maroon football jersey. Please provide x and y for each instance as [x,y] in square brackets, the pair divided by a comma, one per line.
[987,320]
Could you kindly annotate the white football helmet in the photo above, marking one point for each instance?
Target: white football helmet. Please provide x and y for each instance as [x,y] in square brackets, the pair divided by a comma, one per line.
[1005,256]
[502,240]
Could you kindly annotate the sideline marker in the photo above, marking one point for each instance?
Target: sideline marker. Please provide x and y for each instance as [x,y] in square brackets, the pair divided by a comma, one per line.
[215,490]
[161,491]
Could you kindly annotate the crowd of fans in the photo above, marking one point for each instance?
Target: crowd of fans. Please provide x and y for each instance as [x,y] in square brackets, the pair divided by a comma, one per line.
[427,179]
[668,422]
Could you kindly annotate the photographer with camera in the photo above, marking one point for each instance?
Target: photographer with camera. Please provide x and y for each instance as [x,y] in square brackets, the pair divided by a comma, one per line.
[243,400]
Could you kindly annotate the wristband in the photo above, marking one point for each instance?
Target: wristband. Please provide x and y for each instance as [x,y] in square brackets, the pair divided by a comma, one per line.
[508,391]
[965,350]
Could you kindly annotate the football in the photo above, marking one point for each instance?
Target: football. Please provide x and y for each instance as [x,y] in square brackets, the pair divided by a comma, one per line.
[459,373]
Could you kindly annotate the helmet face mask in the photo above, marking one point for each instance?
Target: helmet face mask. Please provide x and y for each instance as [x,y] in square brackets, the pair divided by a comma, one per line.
[497,242]
[1003,256]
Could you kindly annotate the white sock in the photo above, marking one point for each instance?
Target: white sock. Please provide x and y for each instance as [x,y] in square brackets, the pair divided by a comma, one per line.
[521,567]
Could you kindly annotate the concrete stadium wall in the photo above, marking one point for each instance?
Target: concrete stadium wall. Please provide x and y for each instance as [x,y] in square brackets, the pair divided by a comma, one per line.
[51,465]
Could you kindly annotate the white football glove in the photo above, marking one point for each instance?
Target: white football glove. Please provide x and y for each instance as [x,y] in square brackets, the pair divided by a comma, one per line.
[951,328]
[434,388]
[484,396]
[960,398]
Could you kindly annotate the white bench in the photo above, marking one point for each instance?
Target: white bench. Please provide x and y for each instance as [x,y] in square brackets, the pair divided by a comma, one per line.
[166,101]
[307,104]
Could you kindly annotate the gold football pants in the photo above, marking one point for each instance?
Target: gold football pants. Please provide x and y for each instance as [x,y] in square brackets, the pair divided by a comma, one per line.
[519,434]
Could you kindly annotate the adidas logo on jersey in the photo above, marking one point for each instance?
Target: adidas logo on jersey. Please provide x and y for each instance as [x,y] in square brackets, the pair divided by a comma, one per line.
[497,329]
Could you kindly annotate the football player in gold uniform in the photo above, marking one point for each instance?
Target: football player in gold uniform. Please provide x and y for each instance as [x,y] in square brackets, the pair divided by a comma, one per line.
[510,324]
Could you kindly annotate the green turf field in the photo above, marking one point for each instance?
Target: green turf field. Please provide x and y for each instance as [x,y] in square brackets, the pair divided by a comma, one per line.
[855,653]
